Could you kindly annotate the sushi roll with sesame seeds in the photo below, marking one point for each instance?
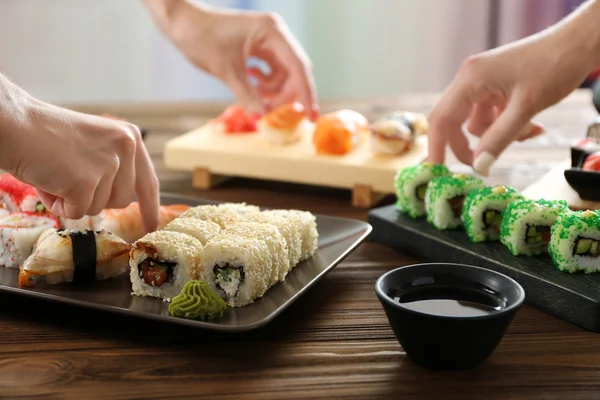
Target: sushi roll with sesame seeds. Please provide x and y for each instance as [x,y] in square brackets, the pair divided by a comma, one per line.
[242,262]
[445,197]
[482,211]
[162,262]
[526,223]
[575,241]
[411,187]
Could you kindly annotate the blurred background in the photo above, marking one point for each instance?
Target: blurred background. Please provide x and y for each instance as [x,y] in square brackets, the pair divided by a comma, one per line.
[110,50]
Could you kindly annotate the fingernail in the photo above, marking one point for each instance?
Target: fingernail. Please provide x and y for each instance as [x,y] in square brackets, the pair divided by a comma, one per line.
[315,113]
[483,162]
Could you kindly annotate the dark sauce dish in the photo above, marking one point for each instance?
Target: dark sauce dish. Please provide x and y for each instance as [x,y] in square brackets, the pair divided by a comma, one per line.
[585,183]
[448,316]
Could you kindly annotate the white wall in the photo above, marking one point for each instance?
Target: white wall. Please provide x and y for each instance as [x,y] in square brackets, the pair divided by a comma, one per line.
[109,50]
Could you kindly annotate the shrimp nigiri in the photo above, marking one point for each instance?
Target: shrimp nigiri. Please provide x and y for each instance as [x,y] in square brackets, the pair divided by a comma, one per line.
[339,132]
[126,222]
[286,124]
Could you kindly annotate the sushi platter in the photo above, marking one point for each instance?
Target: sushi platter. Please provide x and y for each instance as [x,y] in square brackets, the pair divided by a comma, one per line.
[341,150]
[550,247]
[218,266]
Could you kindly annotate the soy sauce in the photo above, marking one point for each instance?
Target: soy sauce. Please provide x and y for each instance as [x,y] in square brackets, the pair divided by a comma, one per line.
[450,301]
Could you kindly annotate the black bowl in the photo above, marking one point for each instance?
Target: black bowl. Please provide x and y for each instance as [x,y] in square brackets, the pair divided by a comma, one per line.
[467,312]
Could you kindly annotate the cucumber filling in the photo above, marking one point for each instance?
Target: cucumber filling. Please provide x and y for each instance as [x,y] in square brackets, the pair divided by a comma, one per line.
[586,247]
[421,191]
[492,219]
[537,236]
[229,278]
[456,204]
[40,208]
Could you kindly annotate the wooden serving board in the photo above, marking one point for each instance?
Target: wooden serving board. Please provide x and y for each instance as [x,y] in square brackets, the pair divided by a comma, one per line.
[574,298]
[210,154]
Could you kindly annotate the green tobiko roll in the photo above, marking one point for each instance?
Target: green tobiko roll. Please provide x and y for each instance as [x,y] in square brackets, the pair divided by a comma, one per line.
[482,211]
[411,187]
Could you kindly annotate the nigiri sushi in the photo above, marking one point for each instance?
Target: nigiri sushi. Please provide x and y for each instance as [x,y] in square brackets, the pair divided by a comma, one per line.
[18,234]
[286,124]
[391,137]
[69,256]
[126,223]
[339,132]
[416,122]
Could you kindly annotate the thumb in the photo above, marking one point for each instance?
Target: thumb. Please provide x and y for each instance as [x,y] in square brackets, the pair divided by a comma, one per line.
[499,136]
[246,94]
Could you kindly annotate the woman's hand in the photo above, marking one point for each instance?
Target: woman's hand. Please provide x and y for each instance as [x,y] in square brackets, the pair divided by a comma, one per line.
[498,92]
[79,163]
[221,42]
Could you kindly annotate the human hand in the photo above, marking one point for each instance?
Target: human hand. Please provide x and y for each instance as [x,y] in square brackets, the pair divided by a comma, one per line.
[221,42]
[80,164]
[498,92]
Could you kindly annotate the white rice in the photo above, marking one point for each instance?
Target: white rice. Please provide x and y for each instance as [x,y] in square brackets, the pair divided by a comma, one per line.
[195,227]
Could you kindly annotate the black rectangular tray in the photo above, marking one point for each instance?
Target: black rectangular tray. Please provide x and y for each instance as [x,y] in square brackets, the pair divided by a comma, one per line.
[574,298]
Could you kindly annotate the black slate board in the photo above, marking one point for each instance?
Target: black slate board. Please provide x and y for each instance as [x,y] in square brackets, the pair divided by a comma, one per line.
[574,298]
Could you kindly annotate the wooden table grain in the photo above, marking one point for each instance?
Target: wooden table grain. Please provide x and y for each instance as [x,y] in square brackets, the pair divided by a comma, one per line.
[333,343]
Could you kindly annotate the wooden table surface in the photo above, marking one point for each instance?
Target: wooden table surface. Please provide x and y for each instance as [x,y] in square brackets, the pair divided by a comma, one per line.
[334,342]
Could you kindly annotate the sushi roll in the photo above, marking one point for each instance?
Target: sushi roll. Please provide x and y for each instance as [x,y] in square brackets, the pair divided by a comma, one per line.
[127,222]
[19,233]
[240,208]
[339,132]
[444,199]
[416,122]
[525,227]
[162,262]
[482,211]
[275,242]
[195,227]
[13,192]
[291,231]
[286,124]
[222,215]
[306,224]
[574,241]
[78,257]
[411,187]
[241,265]
[391,137]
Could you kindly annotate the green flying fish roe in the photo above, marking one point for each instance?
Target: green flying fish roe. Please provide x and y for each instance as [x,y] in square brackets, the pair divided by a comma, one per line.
[441,186]
[406,182]
[546,210]
[197,301]
[564,233]
[488,194]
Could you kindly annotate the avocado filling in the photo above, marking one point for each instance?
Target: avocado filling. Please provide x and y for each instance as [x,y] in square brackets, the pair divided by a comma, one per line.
[586,247]
[456,204]
[537,236]
[421,191]
[229,278]
[492,219]
[40,208]
[155,273]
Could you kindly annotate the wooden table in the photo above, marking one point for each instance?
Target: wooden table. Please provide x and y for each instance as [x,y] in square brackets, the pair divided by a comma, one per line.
[335,342]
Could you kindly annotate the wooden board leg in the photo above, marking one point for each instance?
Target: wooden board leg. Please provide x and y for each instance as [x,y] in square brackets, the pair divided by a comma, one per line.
[202,178]
[363,196]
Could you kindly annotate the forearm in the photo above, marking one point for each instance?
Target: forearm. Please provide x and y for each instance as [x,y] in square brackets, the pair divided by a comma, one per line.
[169,15]
[581,31]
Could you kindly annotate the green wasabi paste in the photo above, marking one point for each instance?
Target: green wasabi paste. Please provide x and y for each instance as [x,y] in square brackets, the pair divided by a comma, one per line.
[197,301]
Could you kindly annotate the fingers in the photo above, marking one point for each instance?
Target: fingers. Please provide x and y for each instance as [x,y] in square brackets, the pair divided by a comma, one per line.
[482,116]
[499,136]
[246,95]
[269,85]
[124,180]
[146,188]
[445,125]
[75,203]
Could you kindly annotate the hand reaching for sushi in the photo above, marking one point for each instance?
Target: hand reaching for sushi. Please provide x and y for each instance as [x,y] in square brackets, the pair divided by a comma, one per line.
[78,163]
[497,93]
[221,42]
